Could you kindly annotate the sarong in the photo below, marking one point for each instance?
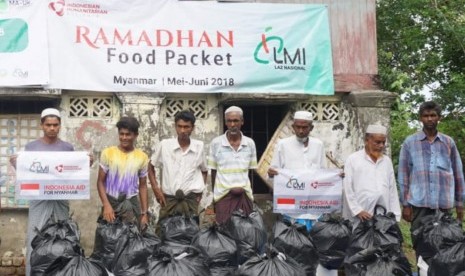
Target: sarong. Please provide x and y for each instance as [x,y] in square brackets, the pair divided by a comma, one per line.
[126,209]
[236,199]
[180,204]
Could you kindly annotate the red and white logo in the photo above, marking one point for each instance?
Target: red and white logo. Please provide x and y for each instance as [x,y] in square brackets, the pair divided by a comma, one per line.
[285,203]
[61,168]
[76,7]
[316,184]
[30,189]
[58,7]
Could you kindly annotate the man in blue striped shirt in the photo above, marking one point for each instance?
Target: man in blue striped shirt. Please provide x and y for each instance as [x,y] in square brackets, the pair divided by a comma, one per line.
[430,172]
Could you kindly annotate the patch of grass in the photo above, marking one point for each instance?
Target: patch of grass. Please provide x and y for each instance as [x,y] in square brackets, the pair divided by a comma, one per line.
[407,245]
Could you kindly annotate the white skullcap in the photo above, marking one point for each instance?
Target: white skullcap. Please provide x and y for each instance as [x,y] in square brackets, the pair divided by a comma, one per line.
[50,112]
[234,109]
[303,115]
[376,129]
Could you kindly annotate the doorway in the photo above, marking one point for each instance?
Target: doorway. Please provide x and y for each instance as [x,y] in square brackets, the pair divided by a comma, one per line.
[260,123]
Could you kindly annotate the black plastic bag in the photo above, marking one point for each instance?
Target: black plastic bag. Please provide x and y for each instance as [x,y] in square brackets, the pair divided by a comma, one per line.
[217,246]
[382,261]
[386,223]
[132,252]
[449,261]
[76,266]
[63,229]
[366,236]
[380,230]
[438,231]
[331,237]
[180,229]
[48,251]
[222,271]
[173,248]
[249,232]
[293,241]
[188,263]
[107,236]
[57,238]
[273,263]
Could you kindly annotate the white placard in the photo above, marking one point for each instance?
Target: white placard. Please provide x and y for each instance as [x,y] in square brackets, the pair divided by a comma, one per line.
[52,175]
[307,192]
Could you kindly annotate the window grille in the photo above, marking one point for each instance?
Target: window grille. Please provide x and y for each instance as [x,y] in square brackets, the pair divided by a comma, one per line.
[196,106]
[322,111]
[90,107]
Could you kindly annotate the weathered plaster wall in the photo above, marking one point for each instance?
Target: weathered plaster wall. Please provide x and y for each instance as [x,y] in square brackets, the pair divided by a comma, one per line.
[358,110]
[370,107]
[340,137]
[205,129]
[13,231]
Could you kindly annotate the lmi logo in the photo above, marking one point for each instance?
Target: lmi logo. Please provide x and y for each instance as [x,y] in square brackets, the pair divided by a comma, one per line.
[36,167]
[272,49]
[294,184]
[14,35]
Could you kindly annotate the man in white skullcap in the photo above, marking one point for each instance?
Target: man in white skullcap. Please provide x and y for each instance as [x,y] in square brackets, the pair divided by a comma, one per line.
[299,152]
[41,210]
[369,179]
[231,158]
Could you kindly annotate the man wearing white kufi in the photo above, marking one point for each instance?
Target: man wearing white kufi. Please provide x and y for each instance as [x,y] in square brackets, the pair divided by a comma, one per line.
[299,152]
[369,179]
[40,211]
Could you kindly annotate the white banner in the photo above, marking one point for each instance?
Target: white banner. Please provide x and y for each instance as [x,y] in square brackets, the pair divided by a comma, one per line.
[52,175]
[189,46]
[307,192]
[23,43]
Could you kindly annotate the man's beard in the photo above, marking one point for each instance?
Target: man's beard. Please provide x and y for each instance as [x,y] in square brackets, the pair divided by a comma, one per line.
[302,140]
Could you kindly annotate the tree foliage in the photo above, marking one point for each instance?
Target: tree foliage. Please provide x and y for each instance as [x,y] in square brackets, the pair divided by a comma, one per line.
[400,128]
[421,44]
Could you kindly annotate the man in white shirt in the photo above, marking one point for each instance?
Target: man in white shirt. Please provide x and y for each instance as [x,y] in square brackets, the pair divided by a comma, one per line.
[299,152]
[232,157]
[369,179]
[183,167]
